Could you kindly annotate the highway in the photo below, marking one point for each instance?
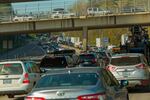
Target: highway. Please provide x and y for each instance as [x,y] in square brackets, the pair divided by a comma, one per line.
[132,96]
[24,51]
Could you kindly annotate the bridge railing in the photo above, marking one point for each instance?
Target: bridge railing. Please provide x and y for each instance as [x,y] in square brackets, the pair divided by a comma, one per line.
[44,9]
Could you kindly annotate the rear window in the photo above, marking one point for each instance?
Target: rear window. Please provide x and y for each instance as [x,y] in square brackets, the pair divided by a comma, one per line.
[56,62]
[102,54]
[74,79]
[124,61]
[87,56]
[11,69]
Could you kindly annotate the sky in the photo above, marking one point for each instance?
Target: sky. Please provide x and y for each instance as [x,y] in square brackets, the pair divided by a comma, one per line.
[39,6]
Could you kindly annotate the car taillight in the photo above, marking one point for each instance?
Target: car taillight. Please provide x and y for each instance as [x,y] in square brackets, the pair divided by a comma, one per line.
[94,60]
[111,68]
[141,66]
[35,98]
[98,96]
[145,82]
[26,78]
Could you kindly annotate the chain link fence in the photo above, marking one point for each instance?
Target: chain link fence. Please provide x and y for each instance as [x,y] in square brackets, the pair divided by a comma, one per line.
[45,10]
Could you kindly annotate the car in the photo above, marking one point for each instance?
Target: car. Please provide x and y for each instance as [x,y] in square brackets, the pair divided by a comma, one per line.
[132,67]
[131,9]
[18,18]
[68,52]
[88,59]
[18,77]
[79,84]
[22,18]
[97,11]
[57,14]
[104,57]
[60,13]
[55,62]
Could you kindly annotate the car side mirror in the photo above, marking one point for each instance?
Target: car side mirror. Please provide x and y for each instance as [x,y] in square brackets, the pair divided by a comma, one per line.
[43,70]
[124,83]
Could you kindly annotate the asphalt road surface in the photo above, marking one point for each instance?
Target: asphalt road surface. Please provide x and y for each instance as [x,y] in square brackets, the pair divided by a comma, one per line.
[132,96]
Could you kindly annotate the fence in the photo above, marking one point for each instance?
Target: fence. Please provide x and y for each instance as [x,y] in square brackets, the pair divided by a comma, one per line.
[43,9]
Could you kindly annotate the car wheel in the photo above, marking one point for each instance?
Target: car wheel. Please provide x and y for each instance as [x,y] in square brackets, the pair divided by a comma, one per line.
[10,96]
[127,96]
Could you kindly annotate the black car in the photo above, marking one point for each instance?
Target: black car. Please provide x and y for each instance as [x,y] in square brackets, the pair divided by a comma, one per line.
[55,62]
[88,59]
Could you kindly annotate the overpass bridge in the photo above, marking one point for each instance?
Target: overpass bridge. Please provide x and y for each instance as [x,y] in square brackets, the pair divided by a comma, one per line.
[13,1]
[83,23]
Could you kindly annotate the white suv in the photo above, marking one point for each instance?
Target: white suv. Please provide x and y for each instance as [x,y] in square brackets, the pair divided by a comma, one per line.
[18,77]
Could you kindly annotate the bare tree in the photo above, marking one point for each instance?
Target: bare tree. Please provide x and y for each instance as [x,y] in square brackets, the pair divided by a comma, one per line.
[79,7]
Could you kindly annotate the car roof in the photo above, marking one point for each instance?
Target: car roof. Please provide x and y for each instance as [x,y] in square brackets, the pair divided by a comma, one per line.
[75,70]
[52,56]
[84,54]
[14,61]
[127,55]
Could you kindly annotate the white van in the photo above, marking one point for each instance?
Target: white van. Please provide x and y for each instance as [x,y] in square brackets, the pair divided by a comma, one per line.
[97,11]
[18,77]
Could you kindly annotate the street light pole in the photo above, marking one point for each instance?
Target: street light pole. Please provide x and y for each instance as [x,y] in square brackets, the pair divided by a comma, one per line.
[148,5]
[38,10]
[91,3]
[134,5]
[25,9]
[76,6]
[51,6]
[65,5]
[106,6]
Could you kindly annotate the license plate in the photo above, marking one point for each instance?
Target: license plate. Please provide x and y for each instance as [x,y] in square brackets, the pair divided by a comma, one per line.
[86,62]
[126,74]
[7,81]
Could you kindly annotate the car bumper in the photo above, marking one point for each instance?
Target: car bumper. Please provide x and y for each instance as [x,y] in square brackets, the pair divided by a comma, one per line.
[15,90]
[137,83]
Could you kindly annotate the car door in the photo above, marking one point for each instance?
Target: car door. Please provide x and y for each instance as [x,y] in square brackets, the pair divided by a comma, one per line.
[113,89]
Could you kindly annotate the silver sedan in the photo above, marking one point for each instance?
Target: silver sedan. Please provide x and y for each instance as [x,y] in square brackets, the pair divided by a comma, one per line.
[78,84]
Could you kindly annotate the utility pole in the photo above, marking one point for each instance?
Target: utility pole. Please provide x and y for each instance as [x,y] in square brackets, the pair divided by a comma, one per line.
[38,10]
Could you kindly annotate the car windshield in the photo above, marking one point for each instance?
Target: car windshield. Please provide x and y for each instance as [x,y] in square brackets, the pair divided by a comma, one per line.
[11,69]
[56,62]
[124,61]
[73,79]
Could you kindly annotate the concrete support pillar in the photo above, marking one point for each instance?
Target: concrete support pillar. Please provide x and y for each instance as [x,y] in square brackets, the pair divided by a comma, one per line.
[85,38]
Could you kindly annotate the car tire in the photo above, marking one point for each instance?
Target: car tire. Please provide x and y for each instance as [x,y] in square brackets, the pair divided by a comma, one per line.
[127,96]
[10,96]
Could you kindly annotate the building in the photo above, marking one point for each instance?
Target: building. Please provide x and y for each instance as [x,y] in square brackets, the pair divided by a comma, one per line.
[5,12]
[10,41]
